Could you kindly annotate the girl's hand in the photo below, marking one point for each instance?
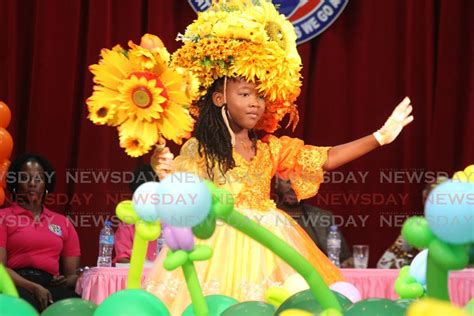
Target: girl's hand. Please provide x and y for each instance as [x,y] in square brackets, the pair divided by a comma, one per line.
[395,123]
[162,162]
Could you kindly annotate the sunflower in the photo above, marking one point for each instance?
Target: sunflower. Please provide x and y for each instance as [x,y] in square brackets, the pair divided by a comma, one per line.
[103,107]
[176,116]
[135,145]
[137,91]
[277,28]
[101,114]
[143,95]
[137,137]
[111,69]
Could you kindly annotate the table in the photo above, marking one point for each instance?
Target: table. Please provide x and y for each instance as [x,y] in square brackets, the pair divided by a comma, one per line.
[97,284]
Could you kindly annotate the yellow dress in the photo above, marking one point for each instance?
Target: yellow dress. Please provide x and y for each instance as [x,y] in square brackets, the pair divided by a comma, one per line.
[240,267]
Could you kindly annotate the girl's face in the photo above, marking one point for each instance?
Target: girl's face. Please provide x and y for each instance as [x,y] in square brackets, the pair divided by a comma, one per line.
[244,103]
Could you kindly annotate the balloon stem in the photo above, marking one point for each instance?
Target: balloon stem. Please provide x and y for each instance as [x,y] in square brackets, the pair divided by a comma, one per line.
[197,297]
[436,280]
[137,260]
[6,283]
[278,246]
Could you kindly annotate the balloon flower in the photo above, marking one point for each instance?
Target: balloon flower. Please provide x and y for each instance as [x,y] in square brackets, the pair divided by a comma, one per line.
[448,234]
[187,205]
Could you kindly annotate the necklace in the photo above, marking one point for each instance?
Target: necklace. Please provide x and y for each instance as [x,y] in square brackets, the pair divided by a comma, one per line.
[246,146]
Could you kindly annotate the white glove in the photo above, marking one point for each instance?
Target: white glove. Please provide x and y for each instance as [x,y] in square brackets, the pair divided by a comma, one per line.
[395,123]
[162,162]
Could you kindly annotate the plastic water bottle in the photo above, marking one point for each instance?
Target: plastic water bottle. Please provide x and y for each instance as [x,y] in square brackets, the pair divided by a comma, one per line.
[334,245]
[106,245]
[160,243]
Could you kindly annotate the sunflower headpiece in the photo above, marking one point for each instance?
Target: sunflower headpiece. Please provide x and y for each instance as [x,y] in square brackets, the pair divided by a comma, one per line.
[139,93]
[247,39]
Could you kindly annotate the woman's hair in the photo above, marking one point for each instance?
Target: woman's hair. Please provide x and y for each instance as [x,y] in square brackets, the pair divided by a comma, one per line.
[20,161]
[142,174]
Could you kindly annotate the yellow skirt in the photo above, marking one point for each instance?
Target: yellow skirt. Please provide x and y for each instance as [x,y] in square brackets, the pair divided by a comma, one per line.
[240,267]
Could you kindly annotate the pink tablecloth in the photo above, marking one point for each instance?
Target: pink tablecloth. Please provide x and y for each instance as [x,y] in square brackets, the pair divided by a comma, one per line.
[98,283]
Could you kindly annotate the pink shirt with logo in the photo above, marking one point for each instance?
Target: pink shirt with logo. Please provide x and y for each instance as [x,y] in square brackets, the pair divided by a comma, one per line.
[124,242]
[37,243]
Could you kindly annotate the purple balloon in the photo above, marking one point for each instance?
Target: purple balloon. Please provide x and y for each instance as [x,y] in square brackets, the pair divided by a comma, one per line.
[348,290]
[178,237]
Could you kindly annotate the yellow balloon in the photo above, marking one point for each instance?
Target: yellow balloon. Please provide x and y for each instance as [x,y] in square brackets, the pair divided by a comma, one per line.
[469,171]
[126,213]
[460,176]
[295,312]
[295,283]
[434,307]
[148,230]
[276,295]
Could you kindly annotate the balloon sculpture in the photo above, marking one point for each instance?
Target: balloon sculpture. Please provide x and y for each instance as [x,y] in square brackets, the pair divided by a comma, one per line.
[10,303]
[447,233]
[183,221]
[6,147]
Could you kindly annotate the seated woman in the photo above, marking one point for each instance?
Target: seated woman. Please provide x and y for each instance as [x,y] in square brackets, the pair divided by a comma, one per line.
[39,247]
[125,232]
[314,220]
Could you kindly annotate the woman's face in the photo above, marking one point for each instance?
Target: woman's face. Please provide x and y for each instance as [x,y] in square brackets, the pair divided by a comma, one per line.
[244,103]
[31,183]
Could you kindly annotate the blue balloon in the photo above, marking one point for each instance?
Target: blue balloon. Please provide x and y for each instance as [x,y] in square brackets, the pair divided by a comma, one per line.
[185,200]
[145,201]
[418,267]
[449,211]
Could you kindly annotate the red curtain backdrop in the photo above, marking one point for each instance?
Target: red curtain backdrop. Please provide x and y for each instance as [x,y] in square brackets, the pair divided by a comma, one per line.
[376,53]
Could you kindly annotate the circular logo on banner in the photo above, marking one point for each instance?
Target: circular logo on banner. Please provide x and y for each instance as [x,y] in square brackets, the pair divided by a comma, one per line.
[309,17]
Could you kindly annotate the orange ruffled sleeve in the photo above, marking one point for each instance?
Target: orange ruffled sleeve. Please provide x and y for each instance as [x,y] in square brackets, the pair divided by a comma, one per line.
[301,164]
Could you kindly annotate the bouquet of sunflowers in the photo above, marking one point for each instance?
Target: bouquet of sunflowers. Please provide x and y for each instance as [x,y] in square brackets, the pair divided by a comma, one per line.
[138,92]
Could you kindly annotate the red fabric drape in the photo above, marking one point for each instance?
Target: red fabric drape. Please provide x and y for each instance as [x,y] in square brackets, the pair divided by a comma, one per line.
[354,74]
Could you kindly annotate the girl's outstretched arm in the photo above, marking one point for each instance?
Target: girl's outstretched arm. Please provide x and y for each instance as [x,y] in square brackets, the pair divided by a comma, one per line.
[342,154]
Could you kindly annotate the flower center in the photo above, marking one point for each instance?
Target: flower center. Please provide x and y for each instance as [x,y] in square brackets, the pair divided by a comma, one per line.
[142,97]
[275,33]
[102,112]
[135,143]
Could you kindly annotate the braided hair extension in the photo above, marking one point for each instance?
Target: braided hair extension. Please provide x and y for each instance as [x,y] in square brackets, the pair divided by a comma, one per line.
[212,133]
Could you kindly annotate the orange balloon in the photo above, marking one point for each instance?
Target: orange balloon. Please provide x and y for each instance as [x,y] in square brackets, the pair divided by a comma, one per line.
[2,196]
[6,144]
[5,115]
[4,165]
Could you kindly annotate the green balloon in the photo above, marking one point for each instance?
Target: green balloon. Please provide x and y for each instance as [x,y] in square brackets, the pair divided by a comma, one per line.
[13,306]
[375,307]
[70,307]
[216,304]
[250,308]
[206,228]
[469,308]
[306,301]
[417,232]
[404,302]
[132,302]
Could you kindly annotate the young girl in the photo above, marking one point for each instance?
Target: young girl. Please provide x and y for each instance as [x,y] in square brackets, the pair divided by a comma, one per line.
[250,79]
